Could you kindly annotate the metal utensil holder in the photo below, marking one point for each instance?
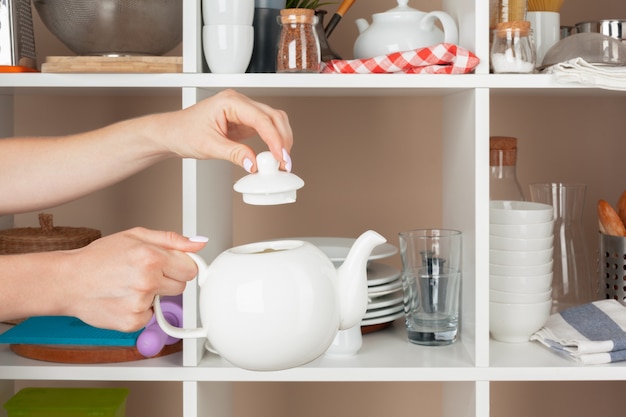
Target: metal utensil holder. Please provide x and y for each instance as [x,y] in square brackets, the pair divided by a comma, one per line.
[612,267]
[17,39]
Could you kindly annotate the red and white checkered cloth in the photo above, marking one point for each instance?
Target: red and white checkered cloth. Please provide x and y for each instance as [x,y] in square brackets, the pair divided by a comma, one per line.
[441,58]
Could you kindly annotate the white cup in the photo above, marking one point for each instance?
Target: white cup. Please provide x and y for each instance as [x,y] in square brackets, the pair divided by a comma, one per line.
[227,48]
[228,12]
[546,28]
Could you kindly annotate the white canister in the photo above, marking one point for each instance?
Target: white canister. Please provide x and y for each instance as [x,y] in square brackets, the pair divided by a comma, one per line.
[546,28]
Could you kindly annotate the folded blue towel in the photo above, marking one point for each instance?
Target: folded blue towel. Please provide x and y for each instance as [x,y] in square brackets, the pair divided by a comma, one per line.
[592,333]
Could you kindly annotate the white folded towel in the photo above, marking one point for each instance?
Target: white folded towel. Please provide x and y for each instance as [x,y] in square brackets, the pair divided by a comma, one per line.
[579,71]
[592,333]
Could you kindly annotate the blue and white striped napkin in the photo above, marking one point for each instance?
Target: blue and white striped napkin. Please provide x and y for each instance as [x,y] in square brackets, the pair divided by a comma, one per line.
[592,333]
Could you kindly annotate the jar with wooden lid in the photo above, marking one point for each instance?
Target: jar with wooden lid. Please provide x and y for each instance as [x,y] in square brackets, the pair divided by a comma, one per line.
[503,184]
[298,46]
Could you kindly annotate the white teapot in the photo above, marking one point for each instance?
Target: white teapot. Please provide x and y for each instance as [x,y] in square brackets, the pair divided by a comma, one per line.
[277,304]
[402,29]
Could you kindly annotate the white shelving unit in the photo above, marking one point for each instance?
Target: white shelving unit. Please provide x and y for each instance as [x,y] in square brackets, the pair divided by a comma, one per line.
[466,368]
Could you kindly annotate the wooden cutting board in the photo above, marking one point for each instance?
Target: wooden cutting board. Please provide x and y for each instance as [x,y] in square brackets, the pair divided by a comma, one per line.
[113,64]
[88,354]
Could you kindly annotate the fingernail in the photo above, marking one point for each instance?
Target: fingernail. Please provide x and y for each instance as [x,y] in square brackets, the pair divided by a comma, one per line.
[247,165]
[287,160]
[199,239]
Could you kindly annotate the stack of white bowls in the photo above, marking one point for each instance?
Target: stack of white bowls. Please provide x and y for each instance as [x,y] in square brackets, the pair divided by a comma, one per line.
[520,281]
[228,35]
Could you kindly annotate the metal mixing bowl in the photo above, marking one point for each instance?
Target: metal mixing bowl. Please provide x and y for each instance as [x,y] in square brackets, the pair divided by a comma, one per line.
[114,27]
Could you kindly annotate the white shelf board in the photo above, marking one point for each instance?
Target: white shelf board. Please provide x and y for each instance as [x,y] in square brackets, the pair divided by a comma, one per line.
[533,362]
[289,84]
[385,355]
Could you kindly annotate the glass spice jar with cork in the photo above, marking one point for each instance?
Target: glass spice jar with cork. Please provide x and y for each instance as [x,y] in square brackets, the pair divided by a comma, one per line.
[513,48]
[503,184]
[298,46]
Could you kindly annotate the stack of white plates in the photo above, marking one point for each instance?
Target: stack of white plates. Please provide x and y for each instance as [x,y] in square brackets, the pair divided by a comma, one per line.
[384,281]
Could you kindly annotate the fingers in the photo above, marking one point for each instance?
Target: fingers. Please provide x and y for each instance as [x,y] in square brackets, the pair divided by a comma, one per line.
[272,125]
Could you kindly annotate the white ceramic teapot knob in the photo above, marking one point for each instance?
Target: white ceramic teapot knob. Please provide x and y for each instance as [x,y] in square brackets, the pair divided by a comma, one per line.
[269,186]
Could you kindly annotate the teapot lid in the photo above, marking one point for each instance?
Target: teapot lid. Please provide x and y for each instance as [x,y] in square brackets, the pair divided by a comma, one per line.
[403,7]
[269,186]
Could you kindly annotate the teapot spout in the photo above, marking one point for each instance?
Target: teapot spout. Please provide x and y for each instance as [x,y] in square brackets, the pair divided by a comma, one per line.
[361,24]
[352,280]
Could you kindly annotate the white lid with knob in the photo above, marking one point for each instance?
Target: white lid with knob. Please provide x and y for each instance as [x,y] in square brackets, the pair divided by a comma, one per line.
[269,186]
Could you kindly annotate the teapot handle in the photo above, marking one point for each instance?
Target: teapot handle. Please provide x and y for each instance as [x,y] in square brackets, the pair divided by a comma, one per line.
[179,332]
[450,30]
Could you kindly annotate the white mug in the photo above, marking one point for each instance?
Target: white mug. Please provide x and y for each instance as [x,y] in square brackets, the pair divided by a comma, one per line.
[227,48]
[228,12]
[546,28]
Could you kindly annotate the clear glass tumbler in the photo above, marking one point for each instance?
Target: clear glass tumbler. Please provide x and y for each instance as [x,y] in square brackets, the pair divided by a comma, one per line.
[572,282]
[431,281]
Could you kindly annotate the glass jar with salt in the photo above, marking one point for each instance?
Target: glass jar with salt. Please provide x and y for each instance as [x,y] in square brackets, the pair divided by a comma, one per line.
[513,48]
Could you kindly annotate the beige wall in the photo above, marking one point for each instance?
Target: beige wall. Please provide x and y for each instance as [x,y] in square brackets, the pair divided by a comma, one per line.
[367,163]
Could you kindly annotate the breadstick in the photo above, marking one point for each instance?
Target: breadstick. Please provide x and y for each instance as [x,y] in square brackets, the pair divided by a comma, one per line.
[609,221]
[621,207]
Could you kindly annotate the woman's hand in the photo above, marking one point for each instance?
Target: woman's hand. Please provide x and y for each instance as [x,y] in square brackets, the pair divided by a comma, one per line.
[111,283]
[215,127]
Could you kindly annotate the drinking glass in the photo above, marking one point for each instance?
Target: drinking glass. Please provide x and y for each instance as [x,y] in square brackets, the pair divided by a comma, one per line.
[431,280]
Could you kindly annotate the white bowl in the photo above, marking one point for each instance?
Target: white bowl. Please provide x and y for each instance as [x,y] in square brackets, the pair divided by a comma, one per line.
[509,243]
[496,296]
[519,212]
[520,258]
[520,271]
[523,231]
[515,323]
[521,284]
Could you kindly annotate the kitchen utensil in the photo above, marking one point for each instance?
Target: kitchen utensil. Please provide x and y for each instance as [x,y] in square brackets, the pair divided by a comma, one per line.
[498,296]
[114,27]
[614,28]
[152,338]
[515,323]
[503,184]
[401,29]
[546,28]
[17,40]
[520,258]
[286,296]
[298,45]
[431,280]
[338,248]
[521,271]
[341,11]
[519,212]
[228,12]
[508,243]
[612,267]
[227,48]
[594,48]
[266,35]
[521,284]
[513,48]
[522,231]
[573,283]
[268,186]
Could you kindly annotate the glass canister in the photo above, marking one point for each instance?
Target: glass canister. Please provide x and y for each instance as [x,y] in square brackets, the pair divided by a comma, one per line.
[572,281]
[503,184]
[513,48]
[299,46]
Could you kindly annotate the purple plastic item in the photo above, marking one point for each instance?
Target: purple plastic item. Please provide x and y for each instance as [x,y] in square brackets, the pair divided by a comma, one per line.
[152,339]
